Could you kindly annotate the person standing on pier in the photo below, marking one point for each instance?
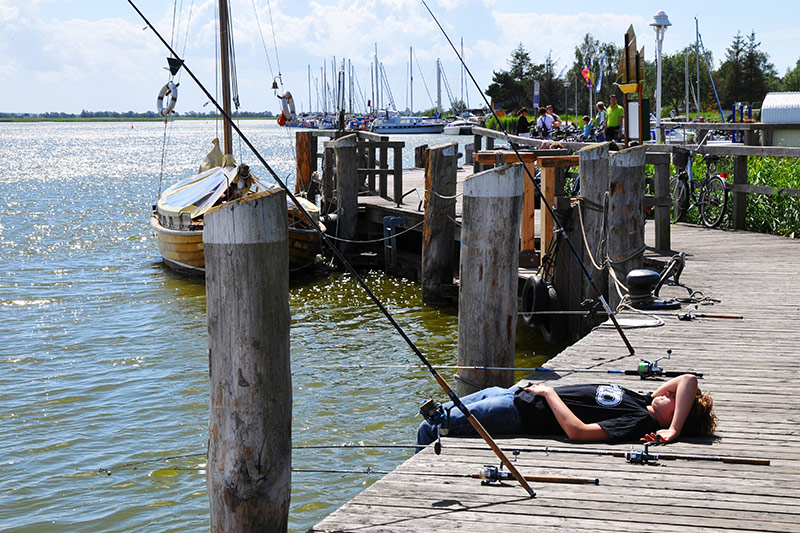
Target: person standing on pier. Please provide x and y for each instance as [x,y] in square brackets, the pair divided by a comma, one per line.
[584,413]
[523,127]
[614,115]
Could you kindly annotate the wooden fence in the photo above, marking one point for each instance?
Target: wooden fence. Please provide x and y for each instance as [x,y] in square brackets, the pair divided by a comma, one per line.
[739,188]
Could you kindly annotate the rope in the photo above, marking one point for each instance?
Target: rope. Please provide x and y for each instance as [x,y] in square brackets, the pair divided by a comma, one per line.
[444,197]
[382,239]
[263,43]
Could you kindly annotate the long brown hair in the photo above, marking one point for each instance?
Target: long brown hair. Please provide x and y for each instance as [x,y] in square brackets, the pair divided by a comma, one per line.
[702,420]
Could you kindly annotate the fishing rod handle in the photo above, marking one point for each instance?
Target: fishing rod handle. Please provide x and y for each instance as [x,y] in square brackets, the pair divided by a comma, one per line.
[499,453]
[567,480]
[746,461]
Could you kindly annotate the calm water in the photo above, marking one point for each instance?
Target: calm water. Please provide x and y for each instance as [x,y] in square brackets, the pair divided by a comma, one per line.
[103,352]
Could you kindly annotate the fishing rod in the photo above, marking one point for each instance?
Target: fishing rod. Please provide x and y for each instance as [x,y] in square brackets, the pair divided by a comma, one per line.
[631,456]
[645,368]
[439,379]
[558,227]
[488,475]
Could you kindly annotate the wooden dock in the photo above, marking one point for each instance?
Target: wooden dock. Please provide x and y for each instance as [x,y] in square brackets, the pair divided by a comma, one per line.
[751,368]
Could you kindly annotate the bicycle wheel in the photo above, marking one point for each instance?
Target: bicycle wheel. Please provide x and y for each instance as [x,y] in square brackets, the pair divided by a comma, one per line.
[713,201]
[680,198]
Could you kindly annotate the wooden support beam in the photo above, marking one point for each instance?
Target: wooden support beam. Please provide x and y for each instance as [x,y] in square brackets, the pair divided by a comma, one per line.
[306,150]
[328,180]
[739,199]
[347,180]
[250,418]
[397,175]
[548,188]
[438,231]
[594,186]
[625,242]
[489,276]
[663,201]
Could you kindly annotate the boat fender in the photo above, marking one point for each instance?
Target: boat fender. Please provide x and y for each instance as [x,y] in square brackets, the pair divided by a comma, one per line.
[168,92]
[534,300]
[553,327]
[287,105]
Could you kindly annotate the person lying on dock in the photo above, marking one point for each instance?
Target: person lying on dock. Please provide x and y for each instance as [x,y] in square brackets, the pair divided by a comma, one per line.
[584,413]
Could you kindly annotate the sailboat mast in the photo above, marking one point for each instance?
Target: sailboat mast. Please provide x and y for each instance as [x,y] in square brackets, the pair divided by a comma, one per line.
[224,52]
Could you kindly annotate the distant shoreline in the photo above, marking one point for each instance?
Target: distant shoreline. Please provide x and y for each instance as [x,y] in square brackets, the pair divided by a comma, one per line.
[33,118]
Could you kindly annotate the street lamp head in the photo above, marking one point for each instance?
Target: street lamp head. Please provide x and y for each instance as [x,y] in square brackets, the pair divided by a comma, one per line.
[660,21]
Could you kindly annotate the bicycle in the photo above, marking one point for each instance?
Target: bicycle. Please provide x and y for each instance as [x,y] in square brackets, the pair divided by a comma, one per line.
[709,194]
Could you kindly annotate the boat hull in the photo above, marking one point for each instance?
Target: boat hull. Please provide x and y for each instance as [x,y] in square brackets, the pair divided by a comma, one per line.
[182,249]
[457,130]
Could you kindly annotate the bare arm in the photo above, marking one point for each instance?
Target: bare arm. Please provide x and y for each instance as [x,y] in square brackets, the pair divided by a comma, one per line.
[684,389]
[572,425]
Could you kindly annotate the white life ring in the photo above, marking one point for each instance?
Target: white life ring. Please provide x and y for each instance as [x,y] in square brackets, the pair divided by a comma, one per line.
[169,92]
[287,105]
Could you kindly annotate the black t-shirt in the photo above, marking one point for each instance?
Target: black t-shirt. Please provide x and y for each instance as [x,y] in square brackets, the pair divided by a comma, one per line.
[622,413]
[522,124]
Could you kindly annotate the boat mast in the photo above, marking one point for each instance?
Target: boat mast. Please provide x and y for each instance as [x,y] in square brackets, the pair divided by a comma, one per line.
[224,40]
[411,82]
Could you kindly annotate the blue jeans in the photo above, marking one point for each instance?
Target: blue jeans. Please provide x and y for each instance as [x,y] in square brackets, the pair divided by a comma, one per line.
[493,407]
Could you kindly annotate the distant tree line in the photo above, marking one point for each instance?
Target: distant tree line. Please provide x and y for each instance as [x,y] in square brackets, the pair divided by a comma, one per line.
[745,75]
[126,115]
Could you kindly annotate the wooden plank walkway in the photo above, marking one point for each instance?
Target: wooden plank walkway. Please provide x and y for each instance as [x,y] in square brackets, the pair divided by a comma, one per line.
[751,368]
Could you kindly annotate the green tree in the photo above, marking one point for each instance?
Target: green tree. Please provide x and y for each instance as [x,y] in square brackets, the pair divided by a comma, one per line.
[791,80]
[746,75]
[511,89]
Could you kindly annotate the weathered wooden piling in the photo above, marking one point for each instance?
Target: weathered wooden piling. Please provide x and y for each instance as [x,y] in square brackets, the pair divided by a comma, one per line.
[420,155]
[438,231]
[625,214]
[662,198]
[306,158]
[247,294]
[594,186]
[328,180]
[487,304]
[344,151]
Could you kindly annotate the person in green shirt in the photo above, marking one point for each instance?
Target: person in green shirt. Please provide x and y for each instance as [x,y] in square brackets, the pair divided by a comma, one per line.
[614,114]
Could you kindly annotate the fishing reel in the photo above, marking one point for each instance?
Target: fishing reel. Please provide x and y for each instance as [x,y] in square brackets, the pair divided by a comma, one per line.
[432,412]
[649,369]
[491,474]
[642,457]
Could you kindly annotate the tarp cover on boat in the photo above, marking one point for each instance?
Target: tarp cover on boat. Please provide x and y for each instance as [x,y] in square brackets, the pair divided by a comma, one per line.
[196,194]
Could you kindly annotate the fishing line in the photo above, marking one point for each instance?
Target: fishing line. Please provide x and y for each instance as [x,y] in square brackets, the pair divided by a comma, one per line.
[557,224]
[442,383]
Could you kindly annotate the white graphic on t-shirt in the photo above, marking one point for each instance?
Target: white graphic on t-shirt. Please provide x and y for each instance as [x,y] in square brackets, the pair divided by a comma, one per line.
[609,395]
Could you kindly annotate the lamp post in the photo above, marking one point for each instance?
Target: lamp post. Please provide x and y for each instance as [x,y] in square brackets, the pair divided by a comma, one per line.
[660,24]
[566,105]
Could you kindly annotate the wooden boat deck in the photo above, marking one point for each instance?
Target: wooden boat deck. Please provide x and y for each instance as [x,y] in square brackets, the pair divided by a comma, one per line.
[751,368]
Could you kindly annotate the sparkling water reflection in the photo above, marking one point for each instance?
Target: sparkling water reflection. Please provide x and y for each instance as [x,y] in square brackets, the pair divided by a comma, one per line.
[103,365]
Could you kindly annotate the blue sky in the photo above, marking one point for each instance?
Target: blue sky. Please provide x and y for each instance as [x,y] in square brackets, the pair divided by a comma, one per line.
[69,55]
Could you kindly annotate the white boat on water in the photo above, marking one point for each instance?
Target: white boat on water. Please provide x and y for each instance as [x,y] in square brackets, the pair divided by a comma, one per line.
[462,126]
[394,123]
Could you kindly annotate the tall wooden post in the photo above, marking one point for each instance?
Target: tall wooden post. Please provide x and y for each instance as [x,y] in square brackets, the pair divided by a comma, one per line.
[250,418]
[594,185]
[625,214]
[477,143]
[438,231]
[739,199]
[328,180]
[661,209]
[487,304]
[344,150]
[306,149]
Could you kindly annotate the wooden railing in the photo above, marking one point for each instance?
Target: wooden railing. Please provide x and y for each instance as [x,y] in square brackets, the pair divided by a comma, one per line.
[372,156]
[658,155]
